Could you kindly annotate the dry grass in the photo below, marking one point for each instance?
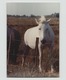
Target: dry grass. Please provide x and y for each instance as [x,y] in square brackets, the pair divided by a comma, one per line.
[30,70]
[27,71]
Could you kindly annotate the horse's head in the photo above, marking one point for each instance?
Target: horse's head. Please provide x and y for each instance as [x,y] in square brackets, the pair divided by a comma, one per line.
[41,20]
[43,28]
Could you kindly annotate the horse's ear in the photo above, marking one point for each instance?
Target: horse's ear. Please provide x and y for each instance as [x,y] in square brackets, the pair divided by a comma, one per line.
[36,21]
[49,20]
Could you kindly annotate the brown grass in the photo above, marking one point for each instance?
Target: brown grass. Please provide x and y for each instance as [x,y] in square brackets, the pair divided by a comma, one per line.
[30,70]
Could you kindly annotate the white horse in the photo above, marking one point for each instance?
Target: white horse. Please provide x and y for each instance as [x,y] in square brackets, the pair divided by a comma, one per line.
[45,34]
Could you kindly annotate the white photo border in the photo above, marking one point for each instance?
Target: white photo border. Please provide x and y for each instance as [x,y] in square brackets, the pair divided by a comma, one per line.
[3,32]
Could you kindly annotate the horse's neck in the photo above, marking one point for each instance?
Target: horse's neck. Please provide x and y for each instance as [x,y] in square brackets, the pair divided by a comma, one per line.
[40,24]
[50,30]
[48,26]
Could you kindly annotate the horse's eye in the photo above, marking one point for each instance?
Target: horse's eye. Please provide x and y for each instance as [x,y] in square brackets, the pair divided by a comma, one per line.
[39,28]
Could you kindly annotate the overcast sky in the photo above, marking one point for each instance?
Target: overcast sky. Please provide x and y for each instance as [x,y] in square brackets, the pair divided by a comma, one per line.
[32,8]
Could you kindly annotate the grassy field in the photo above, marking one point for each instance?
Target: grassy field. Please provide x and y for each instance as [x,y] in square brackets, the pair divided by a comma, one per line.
[21,24]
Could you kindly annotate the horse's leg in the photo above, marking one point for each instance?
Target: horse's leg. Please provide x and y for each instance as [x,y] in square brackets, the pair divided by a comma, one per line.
[11,54]
[39,47]
[51,58]
[26,51]
[8,51]
[15,55]
[52,69]
[15,51]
